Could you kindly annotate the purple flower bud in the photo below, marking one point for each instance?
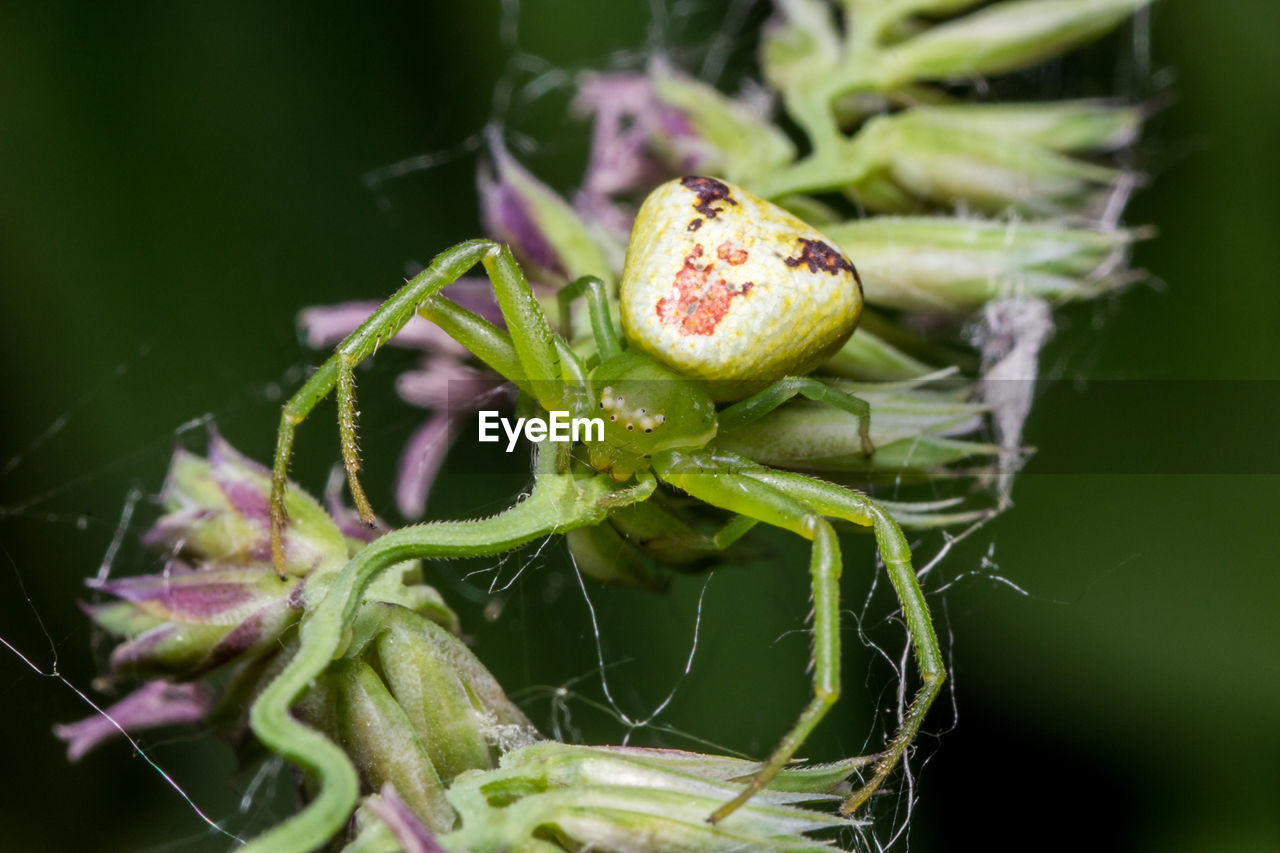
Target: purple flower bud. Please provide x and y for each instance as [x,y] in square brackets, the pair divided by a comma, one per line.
[187,621]
[218,513]
[156,703]
[542,229]
[406,828]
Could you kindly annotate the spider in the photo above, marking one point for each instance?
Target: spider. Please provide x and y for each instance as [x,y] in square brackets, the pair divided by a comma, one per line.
[727,301]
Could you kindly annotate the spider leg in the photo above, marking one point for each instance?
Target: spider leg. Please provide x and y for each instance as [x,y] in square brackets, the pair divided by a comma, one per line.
[532,353]
[608,342]
[494,347]
[658,530]
[763,402]
[835,501]
[447,267]
[802,504]
[705,478]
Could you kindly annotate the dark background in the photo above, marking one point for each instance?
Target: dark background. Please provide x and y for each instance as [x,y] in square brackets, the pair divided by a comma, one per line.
[176,181]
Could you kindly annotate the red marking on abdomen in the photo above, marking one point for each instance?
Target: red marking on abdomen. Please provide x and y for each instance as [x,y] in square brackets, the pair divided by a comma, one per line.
[696,303]
[728,252]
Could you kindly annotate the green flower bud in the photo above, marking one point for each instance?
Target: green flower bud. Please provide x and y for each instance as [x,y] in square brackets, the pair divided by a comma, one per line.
[185,621]
[913,429]
[621,799]
[957,265]
[217,511]
[1066,126]
[871,357]
[221,601]
[799,45]
[729,137]
[917,156]
[352,705]
[1002,37]
[455,707]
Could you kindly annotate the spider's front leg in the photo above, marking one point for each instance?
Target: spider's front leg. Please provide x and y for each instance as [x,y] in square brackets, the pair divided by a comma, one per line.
[529,357]
[802,505]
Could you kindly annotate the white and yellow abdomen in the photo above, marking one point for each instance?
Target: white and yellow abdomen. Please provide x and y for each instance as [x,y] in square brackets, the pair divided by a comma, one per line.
[723,286]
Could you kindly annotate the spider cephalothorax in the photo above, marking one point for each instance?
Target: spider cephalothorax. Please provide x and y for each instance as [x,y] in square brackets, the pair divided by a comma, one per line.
[646,409]
[726,302]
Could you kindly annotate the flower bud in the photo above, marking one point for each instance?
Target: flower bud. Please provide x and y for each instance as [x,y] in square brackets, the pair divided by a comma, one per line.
[1001,37]
[385,822]
[352,705]
[731,138]
[452,702]
[800,45]
[1067,126]
[912,428]
[869,356]
[220,600]
[218,511]
[917,156]
[413,708]
[186,621]
[156,703]
[542,229]
[957,265]
[623,799]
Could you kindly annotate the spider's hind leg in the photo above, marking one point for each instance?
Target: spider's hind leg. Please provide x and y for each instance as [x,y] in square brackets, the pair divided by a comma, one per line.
[802,505]
[707,479]
[837,502]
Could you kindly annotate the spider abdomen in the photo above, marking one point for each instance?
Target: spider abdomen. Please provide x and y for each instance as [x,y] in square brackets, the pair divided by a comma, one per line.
[723,286]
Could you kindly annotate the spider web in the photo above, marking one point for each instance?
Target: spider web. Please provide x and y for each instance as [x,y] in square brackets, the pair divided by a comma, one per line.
[675,670]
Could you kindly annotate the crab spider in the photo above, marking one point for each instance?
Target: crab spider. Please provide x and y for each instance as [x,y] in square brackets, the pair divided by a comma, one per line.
[726,302]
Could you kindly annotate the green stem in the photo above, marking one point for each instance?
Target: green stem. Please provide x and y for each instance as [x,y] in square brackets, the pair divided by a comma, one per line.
[559,502]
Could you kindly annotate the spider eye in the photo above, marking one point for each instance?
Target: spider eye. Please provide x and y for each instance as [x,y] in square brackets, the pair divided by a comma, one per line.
[648,429]
[613,418]
[630,427]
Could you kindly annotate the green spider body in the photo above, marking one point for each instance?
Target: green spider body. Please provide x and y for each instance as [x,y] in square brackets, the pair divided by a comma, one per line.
[722,295]
[725,299]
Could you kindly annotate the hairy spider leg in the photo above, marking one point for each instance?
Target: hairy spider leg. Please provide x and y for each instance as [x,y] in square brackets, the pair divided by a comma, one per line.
[838,502]
[558,503]
[765,401]
[532,355]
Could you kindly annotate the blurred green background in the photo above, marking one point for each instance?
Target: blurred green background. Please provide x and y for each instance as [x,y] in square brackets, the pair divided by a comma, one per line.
[177,180]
